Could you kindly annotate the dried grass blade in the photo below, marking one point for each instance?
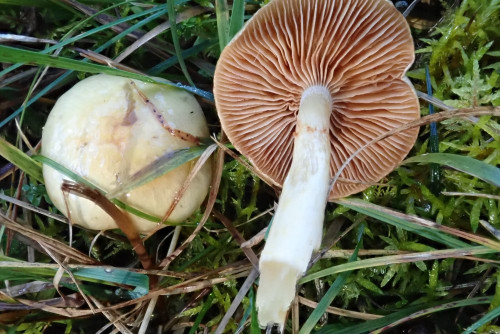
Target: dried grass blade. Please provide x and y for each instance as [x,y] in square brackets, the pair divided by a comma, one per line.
[214,189]
[189,179]
[60,271]
[52,244]
[237,300]
[454,193]
[418,225]
[238,238]
[33,208]
[403,258]
[113,317]
[184,15]
[490,228]
[64,311]
[24,39]
[339,311]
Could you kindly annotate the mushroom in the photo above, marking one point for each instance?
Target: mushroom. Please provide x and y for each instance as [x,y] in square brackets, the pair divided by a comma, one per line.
[107,128]
[301,88]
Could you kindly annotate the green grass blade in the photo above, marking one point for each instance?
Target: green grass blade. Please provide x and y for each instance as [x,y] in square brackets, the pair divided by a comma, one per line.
[13,269]
[21,160]
[244,318]
[85,34]
[67,75]
[30,3]
[434,309]
[477,168]
[404,258]
[175,39]
[157,12]
[131,29]
[77,178]
[333,291]
[202,313]
[237,17]
[385,216]
[414,310]
[194,50]
[114,275]
[157,168]
[9,54]
[63,170]
[483,321]
[222,14]
[254,323]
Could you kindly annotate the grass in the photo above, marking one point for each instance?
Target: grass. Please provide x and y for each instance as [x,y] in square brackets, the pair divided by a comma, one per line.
[422,246]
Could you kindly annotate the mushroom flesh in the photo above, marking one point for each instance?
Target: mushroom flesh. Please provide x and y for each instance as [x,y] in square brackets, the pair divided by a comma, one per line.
[107,128]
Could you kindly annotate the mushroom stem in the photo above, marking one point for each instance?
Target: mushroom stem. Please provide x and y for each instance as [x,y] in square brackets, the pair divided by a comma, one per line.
[298,223]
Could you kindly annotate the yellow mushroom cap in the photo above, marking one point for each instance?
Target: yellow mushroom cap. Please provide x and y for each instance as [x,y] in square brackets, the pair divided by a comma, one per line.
[102,130]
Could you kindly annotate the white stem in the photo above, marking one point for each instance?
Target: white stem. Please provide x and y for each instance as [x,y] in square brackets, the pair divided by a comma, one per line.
[298,223]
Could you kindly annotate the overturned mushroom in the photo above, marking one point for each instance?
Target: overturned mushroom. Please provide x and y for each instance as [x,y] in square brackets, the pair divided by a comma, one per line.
[107,128]
[302,87]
